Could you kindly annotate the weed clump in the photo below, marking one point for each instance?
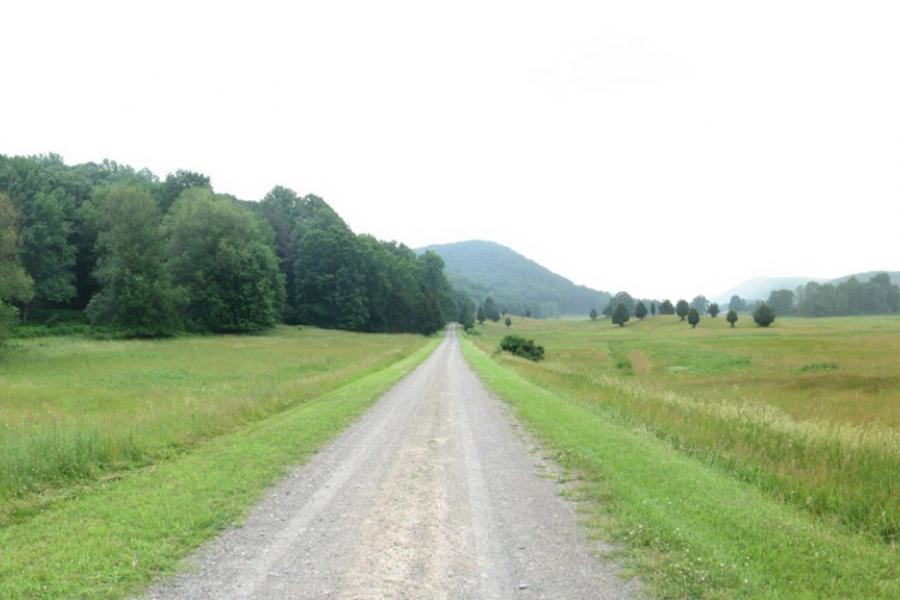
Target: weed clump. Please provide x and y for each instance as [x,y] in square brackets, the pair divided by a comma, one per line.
[519,346]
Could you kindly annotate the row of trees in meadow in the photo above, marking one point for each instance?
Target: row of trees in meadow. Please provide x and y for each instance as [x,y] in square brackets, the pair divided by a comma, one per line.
[149,257]
[623,306]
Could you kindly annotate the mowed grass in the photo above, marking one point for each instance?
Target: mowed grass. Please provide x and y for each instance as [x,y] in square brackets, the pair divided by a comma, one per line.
[807,410]
[110,538]
[74,410]
[687,528]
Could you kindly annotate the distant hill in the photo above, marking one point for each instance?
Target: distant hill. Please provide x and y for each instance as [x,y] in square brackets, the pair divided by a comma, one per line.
[759,288]
[479,268]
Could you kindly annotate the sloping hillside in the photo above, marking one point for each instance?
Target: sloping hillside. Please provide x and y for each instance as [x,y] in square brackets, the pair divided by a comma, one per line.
[479,268]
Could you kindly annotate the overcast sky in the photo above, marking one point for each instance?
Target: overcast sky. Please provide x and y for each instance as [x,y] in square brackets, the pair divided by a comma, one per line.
[666,148]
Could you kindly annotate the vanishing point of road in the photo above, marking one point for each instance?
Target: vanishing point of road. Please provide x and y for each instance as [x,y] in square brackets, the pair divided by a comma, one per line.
[435,492]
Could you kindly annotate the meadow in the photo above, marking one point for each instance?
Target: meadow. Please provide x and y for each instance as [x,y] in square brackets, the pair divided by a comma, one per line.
[75,411]
[804,415]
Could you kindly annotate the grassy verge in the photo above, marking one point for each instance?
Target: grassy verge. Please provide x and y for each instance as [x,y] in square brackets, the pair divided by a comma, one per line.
[805,410]
[114,536]
[75,409]
[690,529]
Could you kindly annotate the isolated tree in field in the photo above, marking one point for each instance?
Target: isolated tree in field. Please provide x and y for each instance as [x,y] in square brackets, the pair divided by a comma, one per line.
[666,308]
[732,317]
[764,315]
[693,317]
[681,309]
[508,322]
[15,284]
[593,314]
[480,314]
[737,304]
[490,309]
[620,315]
[136,294]
[653,309]
[713,310]
[640,311]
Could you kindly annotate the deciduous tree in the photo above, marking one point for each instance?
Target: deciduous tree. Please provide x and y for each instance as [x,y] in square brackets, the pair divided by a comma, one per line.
[693,317]
[640,310]
[682,308]
[732,317]
[764,315]
[620,315]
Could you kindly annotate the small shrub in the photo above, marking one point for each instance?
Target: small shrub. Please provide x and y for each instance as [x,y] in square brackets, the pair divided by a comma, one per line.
[519,346]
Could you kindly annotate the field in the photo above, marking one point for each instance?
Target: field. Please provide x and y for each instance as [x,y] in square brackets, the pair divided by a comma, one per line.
[119,457]
[803,417]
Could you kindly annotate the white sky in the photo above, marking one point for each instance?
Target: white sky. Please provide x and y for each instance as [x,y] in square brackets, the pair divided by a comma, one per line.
[666,148]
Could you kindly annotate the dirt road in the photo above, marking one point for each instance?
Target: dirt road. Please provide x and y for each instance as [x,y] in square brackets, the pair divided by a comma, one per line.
[434,493]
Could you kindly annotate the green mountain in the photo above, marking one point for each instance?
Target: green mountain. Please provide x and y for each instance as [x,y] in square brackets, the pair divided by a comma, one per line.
[480,268]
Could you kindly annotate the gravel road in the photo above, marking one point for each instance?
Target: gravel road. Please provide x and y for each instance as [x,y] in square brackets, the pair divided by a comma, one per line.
[435,492]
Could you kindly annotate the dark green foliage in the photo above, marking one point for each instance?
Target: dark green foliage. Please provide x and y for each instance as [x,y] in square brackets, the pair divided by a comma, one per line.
[764,315]
[521,286]
[490,309]
[640,310]
[879,295]
[782,301]
[136,295]
[466,313]
[221,264]
[732,317]
[508,322]
[527,314]
[693,317]
[737,304]
[593,314]
[480,314]
[519,346]
[653,308]
[15,284]
[47,253]
[666,308]
[330,280]
[291,254]
[178,182]
[701,303]
[620,315]
[713,310]
[681,309]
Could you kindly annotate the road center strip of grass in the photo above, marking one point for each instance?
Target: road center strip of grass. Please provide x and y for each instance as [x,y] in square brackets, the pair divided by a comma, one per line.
[688,529]
[117,536]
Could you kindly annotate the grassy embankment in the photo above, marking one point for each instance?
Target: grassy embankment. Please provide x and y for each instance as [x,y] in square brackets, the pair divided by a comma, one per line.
[118,458]
[745,462]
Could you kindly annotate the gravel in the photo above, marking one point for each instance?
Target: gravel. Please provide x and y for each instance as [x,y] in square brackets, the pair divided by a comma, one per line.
[436,492]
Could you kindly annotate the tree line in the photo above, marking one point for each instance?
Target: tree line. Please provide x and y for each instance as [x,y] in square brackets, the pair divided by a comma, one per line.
[148,257]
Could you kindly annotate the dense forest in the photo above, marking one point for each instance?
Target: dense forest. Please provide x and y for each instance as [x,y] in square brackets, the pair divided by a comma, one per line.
[518,285]
[143,256]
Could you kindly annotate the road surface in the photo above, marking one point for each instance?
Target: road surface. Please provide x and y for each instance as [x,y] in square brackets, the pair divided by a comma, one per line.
[436,492]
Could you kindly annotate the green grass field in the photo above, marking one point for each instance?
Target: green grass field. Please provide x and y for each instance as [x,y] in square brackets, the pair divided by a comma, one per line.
[803,417]
[119,457]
